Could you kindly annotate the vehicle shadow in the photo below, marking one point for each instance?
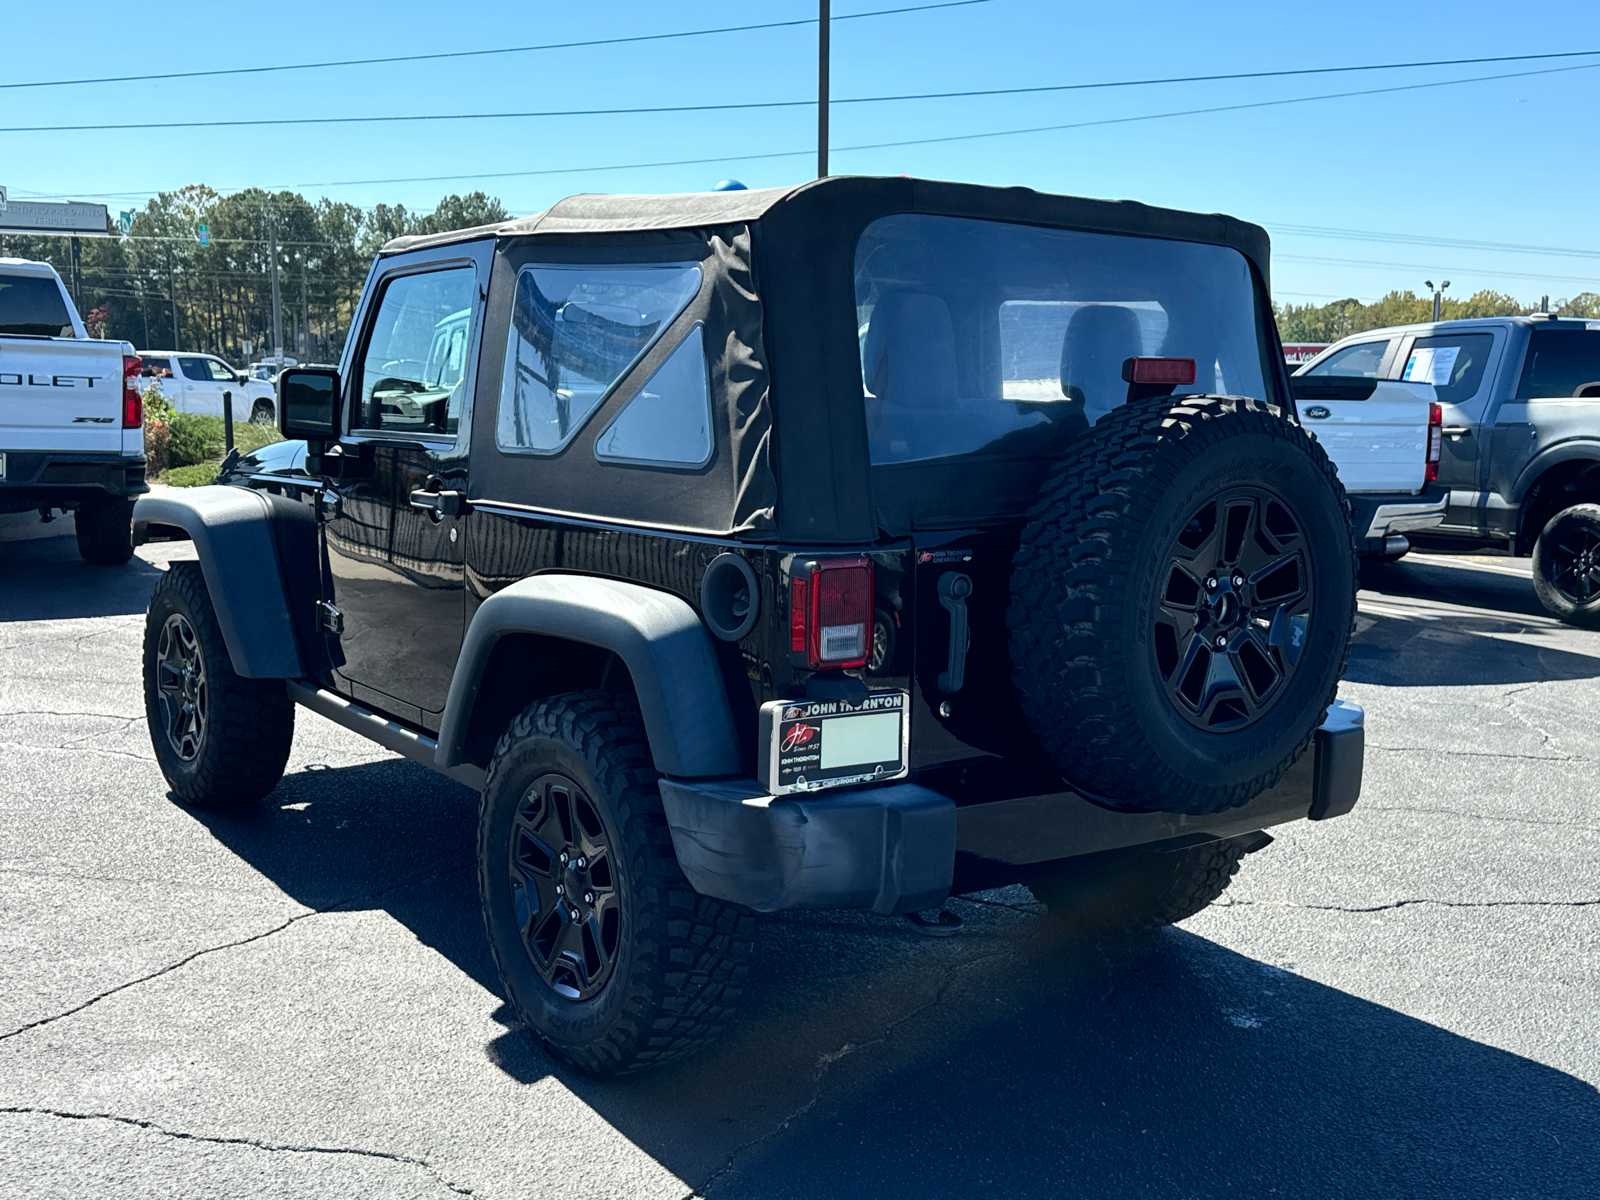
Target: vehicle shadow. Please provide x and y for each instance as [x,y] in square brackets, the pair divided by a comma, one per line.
[1457,583]
[44,579]
[1461,649]
[1007,1061]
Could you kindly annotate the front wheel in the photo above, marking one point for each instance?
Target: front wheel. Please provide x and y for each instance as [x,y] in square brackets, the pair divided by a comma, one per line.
[1142,891]
[221,740]
[603,948]
[1566,566]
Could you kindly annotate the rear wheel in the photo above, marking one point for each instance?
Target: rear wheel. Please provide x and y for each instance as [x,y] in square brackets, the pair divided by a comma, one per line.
[603,948]
[1566,566]
[261,413]
[1141,891]
[221,740]
[105,530]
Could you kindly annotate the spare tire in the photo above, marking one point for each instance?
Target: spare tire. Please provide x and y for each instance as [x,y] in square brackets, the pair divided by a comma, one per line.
[1183,598]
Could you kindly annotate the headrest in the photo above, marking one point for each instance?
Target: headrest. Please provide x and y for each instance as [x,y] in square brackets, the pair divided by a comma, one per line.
[1099,338]
[910,355]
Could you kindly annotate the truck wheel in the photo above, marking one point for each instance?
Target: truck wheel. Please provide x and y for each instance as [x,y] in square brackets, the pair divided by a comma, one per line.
[261,413]
[1182,604]
[105,530]
[1566,566]
[221,740]
[603,948]
[1140,892]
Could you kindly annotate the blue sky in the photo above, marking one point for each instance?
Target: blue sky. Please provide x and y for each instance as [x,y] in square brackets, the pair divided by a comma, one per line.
[1510,161]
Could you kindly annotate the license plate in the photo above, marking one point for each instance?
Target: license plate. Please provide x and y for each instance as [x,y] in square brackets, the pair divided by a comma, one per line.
[814,744]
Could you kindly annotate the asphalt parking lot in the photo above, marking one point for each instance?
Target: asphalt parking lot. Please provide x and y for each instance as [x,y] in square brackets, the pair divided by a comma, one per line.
[299,1003]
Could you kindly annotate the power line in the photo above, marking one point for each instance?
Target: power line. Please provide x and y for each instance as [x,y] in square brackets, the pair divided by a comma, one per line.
[1491,271]
[406,118]
[451,54]
[961,137]
[1363,235]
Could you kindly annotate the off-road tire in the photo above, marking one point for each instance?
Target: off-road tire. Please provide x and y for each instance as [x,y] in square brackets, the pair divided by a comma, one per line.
[682,958]
[1089,574]
[249,723]
[1140,892]
[1576,528]
[105,530]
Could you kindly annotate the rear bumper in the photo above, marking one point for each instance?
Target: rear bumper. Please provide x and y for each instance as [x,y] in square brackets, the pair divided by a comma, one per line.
[903,847]
[36,478]
[1375,516]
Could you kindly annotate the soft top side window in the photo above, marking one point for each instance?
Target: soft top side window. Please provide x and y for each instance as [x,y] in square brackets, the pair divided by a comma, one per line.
[668,421]
[575,331]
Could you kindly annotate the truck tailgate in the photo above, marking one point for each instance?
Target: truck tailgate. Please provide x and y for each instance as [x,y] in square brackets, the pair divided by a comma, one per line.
[60,394]
[1378,442]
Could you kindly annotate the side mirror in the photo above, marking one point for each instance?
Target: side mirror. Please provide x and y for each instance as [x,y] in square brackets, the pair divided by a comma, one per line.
[309,404]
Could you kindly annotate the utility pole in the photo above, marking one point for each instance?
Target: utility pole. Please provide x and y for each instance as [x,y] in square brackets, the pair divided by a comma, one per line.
[305,310]
[277,305]
[172,294]
[823,23]
[77,273]
[1438,295]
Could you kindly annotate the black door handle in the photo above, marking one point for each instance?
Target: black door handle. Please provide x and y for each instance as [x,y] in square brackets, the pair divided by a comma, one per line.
[440,505]
[954,588]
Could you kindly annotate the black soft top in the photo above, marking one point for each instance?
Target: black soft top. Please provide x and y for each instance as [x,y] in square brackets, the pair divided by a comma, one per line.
[782,298]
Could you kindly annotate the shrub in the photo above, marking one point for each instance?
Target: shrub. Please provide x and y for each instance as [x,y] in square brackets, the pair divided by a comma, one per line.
[195,476]
[194,439]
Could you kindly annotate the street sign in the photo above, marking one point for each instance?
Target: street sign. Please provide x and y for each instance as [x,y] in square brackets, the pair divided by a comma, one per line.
[247,345]
[124,223]
[205,235]
[36,216]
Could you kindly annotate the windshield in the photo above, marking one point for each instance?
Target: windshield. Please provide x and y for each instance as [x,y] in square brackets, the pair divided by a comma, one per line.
[1008,340]
[31,306]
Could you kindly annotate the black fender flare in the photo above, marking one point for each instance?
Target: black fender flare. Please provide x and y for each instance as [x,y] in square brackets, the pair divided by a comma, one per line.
[658,637]
[1573,450]
[234,534]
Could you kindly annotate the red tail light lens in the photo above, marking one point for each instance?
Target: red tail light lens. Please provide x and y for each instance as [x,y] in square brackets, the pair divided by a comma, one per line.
[830,613]
[1435,442]
[132,401]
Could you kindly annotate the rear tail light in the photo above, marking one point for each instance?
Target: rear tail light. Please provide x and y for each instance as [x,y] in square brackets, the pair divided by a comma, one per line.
[830,613]
[1435,441]
[132,401]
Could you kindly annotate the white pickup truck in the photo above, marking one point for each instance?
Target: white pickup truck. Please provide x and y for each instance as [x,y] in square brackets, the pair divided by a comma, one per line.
[1383,435]
[71,417]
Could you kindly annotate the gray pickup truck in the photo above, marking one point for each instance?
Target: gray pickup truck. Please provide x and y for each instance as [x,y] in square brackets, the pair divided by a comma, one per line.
[1520,400]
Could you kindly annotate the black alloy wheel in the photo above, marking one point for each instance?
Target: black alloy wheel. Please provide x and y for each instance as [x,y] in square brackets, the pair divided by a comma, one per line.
[603,948]
[1235,612]
[563,888]
[1566,566]
[181,692]
[221,740]
[1574,559]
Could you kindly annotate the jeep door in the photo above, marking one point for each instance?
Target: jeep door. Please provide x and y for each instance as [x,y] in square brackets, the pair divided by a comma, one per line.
[394,523]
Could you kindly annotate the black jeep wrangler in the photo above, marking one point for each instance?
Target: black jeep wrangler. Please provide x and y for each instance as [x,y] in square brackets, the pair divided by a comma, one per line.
[841,546]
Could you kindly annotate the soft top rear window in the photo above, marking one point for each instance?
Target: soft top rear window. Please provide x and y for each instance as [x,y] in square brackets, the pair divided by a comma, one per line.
[987,338]
[31,306]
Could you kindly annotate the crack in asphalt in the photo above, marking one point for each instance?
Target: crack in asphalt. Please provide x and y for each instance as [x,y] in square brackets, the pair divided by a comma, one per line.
[825,1064]
[149,758]
[1566,758]
[1393,904]
[253,1143]
[234,944]
[48,712]
[1456,812]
